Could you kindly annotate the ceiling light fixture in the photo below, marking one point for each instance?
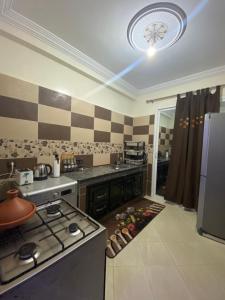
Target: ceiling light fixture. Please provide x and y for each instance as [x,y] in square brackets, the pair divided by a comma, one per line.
[156,27]
[151,51]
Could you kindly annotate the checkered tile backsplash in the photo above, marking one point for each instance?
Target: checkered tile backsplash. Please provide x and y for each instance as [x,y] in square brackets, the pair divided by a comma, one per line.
[35,122]
[31,115]
[165,139]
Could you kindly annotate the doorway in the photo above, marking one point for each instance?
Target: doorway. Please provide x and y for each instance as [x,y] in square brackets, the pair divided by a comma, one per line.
[162,149]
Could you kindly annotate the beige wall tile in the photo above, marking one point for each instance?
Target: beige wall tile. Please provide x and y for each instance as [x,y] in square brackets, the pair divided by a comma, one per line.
[102,125]
[150,158]
[45,159]
[128,130]
[52,115]
[117,118]
[19,89]
[116,138]
[151,129]
[82,135]
[138,138]
[101,159]
[82,107]
[18,129]
[140,121]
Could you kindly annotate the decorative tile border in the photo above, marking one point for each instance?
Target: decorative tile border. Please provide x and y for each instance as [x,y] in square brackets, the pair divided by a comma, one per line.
[11,148]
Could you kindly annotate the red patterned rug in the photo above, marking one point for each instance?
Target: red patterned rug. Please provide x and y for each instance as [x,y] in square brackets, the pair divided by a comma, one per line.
[124,223]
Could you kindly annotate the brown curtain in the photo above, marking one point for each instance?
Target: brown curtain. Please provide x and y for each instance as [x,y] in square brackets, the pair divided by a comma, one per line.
[184,169]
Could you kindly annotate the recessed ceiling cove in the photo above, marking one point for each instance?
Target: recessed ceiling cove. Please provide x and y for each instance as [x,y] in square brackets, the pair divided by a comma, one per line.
[159,25]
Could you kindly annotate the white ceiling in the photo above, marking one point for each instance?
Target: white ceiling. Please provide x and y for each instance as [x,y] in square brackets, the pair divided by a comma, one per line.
[98,28]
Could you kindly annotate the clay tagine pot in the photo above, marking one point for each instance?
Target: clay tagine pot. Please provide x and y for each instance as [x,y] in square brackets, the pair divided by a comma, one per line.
[15,211]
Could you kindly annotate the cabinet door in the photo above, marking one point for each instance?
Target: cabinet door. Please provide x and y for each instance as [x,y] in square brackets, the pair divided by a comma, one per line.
[116,193]
[129,188]
[98,200]
[138,185]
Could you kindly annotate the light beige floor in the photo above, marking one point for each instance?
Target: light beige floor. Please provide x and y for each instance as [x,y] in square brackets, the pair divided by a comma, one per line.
[168,260]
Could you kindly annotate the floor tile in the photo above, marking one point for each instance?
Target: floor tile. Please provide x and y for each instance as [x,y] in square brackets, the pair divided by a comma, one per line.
[167,283]
[130,283]
[168,260]
[204,282]
[109,290]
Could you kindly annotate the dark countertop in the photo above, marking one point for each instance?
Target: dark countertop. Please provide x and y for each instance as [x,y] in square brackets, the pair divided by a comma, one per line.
[107,172]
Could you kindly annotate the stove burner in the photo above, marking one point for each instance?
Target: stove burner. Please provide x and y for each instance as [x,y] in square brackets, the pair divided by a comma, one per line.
[74,229]
[28,252]
[53,210]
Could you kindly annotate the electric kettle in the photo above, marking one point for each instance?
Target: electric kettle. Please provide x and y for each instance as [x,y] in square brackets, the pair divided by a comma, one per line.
[42,171]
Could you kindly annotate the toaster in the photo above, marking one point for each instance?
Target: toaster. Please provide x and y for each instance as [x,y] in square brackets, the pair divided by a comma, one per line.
[24,176]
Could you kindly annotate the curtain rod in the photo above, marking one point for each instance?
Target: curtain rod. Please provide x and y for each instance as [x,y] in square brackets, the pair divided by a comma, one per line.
[175,95]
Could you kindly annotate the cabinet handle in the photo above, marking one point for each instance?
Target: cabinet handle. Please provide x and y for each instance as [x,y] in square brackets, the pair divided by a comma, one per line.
[100,209]
[101,196]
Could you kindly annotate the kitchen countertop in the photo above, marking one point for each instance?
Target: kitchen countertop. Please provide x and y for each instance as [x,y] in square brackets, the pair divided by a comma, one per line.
[107,171]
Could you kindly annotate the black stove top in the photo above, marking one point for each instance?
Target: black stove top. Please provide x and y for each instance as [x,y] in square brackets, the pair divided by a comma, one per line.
[55,227]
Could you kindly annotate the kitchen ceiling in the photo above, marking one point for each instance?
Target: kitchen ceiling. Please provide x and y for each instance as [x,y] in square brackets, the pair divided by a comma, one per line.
[99,29]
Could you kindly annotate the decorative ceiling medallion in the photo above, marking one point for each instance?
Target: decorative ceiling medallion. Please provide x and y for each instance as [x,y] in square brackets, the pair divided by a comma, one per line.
[160,25]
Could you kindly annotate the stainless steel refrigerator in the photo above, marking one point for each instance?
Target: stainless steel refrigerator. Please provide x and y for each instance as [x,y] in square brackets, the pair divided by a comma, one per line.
[211,205]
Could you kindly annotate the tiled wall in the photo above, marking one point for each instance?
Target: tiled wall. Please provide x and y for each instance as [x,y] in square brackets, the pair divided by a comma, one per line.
[143,130]
[165,139]
[36,122]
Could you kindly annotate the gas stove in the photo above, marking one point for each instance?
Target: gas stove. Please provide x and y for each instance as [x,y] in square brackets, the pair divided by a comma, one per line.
[55,227]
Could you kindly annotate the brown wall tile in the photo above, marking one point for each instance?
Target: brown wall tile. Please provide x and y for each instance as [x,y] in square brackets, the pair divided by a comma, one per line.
[128,121]
[140,130]
[113,158]
[20,163]
[163,129]
[53,132]
[152,119]
[102,113]
[55,99]
[102,136]
[151,139]
[117,128]
[127,137]
[13,108]
[86,160]
[82,121]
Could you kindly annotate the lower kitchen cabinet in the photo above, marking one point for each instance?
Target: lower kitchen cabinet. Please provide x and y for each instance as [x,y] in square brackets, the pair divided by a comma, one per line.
[129,188]
[138,185]
[104,197]
[116,193]
[98,200]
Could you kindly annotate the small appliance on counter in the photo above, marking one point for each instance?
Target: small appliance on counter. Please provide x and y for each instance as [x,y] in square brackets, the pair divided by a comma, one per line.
[24,176]
[42,171]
